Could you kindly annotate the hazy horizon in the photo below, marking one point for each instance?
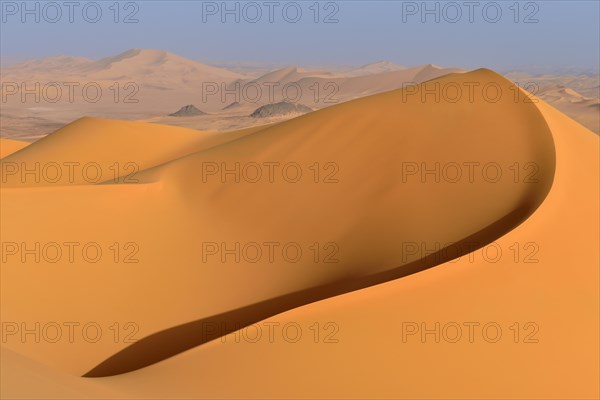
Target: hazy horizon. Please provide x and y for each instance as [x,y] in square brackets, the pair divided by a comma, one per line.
[524,36]
[248,64]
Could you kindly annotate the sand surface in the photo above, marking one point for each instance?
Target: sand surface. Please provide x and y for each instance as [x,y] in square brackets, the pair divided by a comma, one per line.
[360,201]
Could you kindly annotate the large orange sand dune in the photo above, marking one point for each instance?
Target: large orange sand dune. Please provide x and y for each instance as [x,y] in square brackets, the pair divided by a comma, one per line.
[369,215]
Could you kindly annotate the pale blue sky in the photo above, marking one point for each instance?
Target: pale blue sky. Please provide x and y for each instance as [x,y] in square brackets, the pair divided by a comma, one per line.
[566,34]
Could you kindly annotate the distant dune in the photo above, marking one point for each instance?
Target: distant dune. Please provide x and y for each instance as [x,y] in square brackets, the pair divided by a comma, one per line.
[373,68]
[157,66]
[143,84]
[574,104]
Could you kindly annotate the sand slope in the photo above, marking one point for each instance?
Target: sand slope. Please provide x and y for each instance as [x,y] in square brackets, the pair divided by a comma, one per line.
[369,213]
[559,294]
[8,146]
[94,150]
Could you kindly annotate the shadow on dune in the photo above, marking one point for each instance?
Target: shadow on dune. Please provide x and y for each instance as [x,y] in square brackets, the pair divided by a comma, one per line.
[172,341]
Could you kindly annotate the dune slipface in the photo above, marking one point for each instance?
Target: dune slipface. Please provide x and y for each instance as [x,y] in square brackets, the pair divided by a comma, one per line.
[547,292]
[337,200]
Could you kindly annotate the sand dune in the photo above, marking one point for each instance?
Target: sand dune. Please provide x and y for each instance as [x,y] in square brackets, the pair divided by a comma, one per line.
[586,84]
[133,85]
[34,68]
[333,89]
[288,74]
[8,146]
[579,107]
[373,68]
[163,82]
[563,305]
[19,372]
[71,155]
[365,203]
[559,294]
[353,172]
[150,66]
[578,96]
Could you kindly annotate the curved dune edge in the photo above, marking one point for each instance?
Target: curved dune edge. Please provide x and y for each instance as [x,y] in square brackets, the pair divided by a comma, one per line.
[170,342]
[166,343]
[559,293]
[173,198]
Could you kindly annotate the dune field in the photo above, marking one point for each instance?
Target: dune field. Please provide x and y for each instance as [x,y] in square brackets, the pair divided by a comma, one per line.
[389,246]
[42,95]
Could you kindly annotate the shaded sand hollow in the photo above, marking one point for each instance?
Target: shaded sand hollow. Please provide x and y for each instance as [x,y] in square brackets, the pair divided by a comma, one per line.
[360,199]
